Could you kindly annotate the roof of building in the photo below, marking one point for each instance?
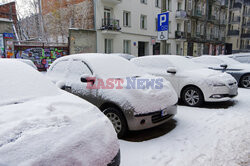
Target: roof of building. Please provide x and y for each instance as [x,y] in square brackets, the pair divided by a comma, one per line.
[5,20]
[1,4]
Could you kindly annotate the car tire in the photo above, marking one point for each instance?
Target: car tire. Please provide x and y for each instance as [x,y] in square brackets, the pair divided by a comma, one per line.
[192,96]
[118,120]
[245,81]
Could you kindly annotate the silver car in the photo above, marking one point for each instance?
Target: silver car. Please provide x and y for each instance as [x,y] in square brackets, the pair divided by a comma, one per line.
[115,85]
[241,72]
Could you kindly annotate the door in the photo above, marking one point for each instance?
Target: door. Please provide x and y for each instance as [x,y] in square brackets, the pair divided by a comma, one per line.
[141,48]
[78,68]
[156,49]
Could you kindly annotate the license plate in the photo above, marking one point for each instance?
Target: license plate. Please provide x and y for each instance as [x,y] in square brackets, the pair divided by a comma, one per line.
[164,112]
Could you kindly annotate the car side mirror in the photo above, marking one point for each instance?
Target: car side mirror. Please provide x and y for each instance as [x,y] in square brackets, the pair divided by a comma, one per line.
[87,78]
[171,70]
[223,66]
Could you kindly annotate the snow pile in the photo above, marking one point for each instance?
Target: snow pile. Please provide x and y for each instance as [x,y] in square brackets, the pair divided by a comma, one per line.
[20,82]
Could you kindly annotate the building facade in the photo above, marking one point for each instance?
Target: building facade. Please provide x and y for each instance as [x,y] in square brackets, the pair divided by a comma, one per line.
[238,29]
[205,28]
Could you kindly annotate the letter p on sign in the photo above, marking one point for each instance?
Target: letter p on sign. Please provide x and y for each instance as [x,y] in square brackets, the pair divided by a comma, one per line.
[163,19]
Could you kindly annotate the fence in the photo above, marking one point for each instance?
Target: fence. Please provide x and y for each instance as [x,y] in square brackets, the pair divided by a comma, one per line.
[42,54]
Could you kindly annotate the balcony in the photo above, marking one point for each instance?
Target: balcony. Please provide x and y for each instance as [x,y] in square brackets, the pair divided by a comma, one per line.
[235,20]
[113,2]
[246,25]
[233,33]
[223,22]
[181,14]
[110,25]
[197,13]
[180,35]
[236,6]
[245,35]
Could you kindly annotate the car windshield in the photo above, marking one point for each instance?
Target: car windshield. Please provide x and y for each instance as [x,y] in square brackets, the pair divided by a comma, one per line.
[19,82]
[114,67]
[229,61]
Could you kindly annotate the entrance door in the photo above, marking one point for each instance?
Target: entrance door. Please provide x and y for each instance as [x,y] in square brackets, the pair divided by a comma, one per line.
[141,48]
[156,49]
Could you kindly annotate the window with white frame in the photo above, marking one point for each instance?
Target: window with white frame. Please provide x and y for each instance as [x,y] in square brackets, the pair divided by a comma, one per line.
[108,44]
[144,1]
[126,46]
[189,4]
[143,23]
[189,27]
[126,19]
[169,5]
[157,3]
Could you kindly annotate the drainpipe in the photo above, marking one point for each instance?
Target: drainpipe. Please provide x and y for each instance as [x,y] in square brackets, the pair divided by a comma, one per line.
[95,4]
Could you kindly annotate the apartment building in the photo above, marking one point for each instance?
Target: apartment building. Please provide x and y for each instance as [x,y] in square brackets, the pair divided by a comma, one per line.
[127,26]
[238,30]
[205,28]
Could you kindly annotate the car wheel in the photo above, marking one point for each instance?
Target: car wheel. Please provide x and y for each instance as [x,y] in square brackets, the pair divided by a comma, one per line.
[118,121]
[245,81]
[192,96]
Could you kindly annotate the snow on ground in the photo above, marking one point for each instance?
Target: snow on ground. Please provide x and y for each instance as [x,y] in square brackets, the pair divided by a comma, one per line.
[208,136]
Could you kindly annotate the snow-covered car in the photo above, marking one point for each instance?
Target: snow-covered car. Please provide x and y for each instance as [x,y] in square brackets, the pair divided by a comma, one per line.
[241,57]
[193,83]
[126,56]
[115,86]
[28,62]
[240,71]
[43,125]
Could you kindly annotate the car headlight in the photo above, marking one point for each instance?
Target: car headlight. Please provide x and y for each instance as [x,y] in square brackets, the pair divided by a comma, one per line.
[219,84]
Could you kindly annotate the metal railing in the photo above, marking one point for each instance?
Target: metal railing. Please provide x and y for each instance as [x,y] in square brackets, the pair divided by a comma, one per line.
[233,32]
[181,14]
[180,35]
[110,24]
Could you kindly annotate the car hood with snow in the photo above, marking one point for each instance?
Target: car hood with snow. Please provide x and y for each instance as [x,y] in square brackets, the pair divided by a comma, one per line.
[46,125]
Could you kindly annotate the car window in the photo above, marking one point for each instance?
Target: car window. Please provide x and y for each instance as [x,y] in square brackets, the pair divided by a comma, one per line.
[77,68]
[208,60]
[151,62]
[242,59]
[60,67]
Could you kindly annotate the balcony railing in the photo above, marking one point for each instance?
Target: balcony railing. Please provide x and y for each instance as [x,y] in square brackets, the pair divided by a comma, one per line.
[181,14]
[233,32]
[179,35]
[245,35]
[197,13]
[246,24]
[235,20]
[110,24]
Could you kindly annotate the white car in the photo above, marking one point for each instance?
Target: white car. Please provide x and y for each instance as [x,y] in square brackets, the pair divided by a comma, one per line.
[241,57]
[131,99]
[193,83]
[240,71]
[43,125]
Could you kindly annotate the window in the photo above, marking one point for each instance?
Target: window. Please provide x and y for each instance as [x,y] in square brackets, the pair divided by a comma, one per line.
[178,49]
[108,46]
[156,24]
[157,3]
[126,46]
[77,69]
[143,22]
[189,4]
[189,27]
[179,6]
[178,27]
[169,5]
[169,26]
[126,19]
[144,1]
[168,48]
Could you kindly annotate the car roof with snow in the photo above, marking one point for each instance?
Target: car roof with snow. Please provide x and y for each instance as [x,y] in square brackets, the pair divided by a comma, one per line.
[105,64]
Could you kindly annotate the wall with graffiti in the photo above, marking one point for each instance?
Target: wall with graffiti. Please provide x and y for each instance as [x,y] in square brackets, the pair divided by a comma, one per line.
[42,57]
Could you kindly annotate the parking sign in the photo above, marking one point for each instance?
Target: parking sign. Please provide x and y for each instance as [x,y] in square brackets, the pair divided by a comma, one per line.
[162,27]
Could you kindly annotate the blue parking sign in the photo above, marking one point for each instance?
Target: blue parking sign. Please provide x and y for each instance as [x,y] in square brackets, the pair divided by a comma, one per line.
[163,19]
